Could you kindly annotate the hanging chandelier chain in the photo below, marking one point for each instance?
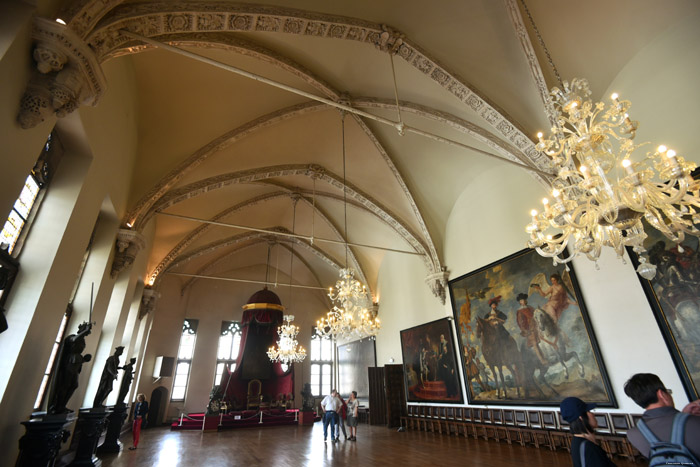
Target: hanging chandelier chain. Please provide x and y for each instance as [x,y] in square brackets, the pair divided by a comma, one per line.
[313,210]
[345,188]
[541,41]
[291,258]
[267,269]
[396,94]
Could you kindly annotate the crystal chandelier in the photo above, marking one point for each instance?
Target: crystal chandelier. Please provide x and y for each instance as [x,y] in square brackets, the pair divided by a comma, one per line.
[287,350]
[600,193]
[349,317]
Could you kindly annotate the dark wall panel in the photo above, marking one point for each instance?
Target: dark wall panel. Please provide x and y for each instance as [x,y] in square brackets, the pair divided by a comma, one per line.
[353,360]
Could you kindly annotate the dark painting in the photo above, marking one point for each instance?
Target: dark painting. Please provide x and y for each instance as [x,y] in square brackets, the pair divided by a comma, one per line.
[674,296]
[430,367]
[525,336]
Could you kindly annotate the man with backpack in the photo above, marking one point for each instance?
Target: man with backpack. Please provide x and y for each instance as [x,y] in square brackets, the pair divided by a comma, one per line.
[663,435]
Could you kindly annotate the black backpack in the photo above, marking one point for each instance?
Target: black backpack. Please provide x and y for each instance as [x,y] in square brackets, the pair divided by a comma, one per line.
[665,452]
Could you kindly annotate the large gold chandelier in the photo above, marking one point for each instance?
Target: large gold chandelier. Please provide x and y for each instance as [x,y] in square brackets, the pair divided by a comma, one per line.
[600,193]
[288,349]
[349,317]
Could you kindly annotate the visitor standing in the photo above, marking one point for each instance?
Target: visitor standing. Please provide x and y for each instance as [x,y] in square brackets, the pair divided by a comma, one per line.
[330,406]
[341,419]
[585,452]
[140,413]
[352,406]
[661,419]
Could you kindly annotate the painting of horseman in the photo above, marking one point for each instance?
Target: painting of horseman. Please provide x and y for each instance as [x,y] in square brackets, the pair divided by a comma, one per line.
[674,296]
[523,321]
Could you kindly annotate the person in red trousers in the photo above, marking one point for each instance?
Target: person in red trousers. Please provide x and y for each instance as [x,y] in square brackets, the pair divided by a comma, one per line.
[140,413]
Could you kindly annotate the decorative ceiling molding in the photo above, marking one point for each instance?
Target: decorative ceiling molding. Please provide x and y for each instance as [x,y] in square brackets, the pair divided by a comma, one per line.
[263,173]
[273,118]
[534,64]
[214,146]
[247,48]
[247,240]
[201,230]
[222,259]
[158,19]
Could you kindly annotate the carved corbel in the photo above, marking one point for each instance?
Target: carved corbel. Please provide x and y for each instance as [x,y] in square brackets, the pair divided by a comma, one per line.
[129,244]
[67,74]
[148,301]
[437,282]
[389,40]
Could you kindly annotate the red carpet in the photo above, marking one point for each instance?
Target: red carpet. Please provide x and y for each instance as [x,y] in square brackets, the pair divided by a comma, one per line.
[244,419]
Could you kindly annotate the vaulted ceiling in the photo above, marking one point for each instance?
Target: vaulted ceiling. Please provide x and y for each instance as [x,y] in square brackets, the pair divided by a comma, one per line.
[217,149]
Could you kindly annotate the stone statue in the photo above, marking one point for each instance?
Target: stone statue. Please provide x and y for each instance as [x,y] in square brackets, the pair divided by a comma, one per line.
[126,381]
[307,404]
[70,362]
[109,374]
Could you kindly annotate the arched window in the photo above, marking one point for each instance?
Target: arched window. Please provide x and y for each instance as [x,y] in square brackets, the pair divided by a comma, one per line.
[184,359]
[321,364]
[23,211]
[229,346]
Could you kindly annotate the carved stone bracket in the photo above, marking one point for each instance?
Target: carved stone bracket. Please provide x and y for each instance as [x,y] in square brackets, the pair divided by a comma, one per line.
[129,244]
[148,301]
[389,40]
[437,282]
[67,74]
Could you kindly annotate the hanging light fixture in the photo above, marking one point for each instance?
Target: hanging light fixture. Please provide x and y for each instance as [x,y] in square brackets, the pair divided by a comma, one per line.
[600,192]
[288,349]
[349,317]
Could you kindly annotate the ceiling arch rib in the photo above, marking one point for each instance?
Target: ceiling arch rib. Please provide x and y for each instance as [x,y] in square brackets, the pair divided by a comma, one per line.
[176,251]
[214,146]
[203,270]
[157,19]
[247,240]
[263,173]
[265,121]
[243,47]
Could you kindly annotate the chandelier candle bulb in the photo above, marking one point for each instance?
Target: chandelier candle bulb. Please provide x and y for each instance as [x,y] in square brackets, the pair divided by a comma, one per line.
[627,164]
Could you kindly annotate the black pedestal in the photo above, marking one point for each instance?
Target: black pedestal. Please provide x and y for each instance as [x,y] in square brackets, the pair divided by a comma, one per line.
[91,423]
[41,443]
[115,420]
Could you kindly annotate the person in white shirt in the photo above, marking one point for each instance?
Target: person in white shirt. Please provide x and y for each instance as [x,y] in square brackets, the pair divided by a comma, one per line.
[330,405]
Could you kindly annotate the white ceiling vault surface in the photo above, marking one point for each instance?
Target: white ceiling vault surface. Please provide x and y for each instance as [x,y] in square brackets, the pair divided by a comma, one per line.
[222,147]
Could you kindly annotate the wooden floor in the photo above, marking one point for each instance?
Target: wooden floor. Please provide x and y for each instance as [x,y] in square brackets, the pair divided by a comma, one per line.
[304,446]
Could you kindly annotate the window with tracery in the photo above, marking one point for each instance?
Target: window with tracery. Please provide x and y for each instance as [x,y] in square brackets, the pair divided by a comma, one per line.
[229,346]
[184,359]
[321,364]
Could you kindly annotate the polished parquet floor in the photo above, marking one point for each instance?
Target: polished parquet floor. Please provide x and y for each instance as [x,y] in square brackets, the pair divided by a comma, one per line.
[304,446]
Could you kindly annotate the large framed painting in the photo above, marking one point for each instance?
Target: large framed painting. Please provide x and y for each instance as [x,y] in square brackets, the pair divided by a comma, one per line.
[674,296]
[430,365]
[525,336]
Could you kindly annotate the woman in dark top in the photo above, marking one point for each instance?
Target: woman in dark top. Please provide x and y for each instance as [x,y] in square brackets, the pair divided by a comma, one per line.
[585,452]
[140,413]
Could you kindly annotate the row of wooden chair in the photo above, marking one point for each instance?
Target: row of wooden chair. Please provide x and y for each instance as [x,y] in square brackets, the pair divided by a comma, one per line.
[538,428]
